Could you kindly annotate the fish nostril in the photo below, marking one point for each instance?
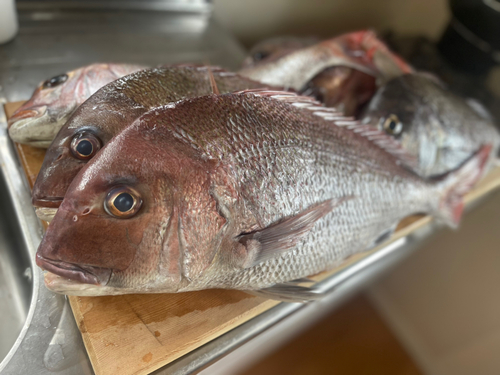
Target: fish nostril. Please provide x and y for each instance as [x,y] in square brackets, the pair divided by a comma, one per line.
[75,218]
[86,211]
[59,157]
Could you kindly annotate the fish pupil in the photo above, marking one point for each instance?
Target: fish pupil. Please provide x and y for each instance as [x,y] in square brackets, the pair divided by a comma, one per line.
[55,81]
[258,56]
[84,147]
[124,202]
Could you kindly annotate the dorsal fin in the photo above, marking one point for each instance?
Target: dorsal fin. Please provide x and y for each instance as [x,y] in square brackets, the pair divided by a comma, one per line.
[213,84]
[377,137]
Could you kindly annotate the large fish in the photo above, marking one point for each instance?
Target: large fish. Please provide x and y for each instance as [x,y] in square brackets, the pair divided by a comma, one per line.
[37,121]
[341,72]
[438,128]
[248,191]
[109,111]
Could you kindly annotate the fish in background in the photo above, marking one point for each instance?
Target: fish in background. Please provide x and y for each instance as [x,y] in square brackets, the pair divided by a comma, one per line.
[341,72]
[253,191]
[440,129]
[110,110]
[37,121]
[274,48]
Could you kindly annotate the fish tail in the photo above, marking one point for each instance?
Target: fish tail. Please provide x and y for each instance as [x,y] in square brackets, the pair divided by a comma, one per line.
[454,185]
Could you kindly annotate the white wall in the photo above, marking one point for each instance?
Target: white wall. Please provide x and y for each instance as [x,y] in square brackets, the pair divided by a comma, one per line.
[253,20]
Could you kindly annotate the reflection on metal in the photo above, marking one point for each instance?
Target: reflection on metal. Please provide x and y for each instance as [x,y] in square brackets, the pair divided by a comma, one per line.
[197,6]
[46,317]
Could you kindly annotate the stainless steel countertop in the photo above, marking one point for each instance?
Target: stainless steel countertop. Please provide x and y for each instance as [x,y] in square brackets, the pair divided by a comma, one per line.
[51,42]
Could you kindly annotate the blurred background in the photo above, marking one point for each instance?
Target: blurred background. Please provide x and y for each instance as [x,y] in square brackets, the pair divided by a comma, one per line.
[252,21]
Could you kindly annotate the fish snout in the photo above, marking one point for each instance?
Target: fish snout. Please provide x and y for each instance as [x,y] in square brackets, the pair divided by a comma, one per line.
[52,182]
[57,254]
[33,126]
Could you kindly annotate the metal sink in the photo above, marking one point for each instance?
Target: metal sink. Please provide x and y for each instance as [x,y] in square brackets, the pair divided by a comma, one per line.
[38,334]
[16,286]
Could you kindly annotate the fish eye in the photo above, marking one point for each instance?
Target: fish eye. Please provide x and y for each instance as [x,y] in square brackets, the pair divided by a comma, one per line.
[55,81]
[85,145]
[258,56]
[392,125]
[122,202]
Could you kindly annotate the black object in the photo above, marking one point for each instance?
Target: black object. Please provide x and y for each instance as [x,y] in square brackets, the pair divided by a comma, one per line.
[472,40]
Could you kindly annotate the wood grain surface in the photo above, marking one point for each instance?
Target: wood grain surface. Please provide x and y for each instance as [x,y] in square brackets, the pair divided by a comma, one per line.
[137,334]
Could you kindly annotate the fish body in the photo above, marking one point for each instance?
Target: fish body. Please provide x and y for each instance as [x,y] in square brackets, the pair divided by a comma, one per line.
[242,191]
[113,108]
[440,129]
[37,121]
[341,72]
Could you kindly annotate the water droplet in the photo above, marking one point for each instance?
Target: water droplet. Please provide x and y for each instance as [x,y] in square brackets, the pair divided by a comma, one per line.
[28,274]
[53,357]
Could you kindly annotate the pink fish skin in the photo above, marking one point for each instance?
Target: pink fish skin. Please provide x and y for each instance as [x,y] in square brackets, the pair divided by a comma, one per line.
[246,191]
[37,121]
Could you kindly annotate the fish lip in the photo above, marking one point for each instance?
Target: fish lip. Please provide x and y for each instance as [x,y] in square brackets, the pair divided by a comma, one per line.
[39,130]
[33,112]
[84,274]
[45,213]
[47,202]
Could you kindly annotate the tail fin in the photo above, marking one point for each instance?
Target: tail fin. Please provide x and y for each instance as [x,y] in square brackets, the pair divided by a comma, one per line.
[456,184]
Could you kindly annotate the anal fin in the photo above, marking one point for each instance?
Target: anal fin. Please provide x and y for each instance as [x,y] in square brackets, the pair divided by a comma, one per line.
[289,292]
[384,236]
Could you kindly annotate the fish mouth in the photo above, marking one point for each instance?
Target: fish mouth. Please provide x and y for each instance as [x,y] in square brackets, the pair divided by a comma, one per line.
[62,285]
[25,114]
[45,213]
[83,274]
[35,127]
[47,202]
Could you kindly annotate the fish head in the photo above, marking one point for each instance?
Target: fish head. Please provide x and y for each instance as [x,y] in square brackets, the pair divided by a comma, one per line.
[92,125]
[137,218]
[37,121]
[431,124]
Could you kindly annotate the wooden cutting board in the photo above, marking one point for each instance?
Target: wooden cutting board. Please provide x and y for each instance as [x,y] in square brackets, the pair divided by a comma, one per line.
[137,334]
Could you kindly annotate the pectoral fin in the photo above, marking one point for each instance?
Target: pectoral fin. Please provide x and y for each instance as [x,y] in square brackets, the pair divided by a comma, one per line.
[281,237]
